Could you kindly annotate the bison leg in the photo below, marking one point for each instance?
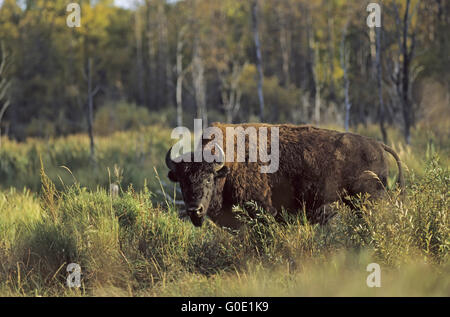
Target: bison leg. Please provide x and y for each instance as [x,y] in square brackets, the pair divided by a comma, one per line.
[321,215]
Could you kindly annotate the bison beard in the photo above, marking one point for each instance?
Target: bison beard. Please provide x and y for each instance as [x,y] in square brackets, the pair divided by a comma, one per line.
[316,166]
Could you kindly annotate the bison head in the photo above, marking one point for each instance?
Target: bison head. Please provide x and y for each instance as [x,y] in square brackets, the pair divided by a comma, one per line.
[198,181]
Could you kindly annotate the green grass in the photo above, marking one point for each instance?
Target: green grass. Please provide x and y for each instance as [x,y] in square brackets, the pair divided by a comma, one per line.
[128,157]
[136,245]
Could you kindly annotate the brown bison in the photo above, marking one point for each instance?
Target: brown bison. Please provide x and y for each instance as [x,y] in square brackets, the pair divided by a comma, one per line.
[316,166]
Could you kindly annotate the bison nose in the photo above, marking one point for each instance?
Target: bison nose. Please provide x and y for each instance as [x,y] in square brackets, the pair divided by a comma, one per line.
[198,210]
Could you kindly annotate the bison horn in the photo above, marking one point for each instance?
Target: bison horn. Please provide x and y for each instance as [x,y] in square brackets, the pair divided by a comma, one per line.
[221,158]
[169,162]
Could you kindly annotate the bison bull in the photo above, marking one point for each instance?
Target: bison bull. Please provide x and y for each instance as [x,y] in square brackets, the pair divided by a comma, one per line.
[316,166]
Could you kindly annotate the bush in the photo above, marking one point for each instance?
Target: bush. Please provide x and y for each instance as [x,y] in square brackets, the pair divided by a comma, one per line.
[280,101]
[124,116]
[120,116]
[400,229]
[67,160]
[131,245]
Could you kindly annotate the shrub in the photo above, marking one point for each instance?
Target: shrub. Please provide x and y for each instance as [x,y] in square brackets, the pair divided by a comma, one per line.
[134,245]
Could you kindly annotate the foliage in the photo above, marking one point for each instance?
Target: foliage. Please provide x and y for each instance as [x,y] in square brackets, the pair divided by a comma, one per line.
[67,159]
[130,245]
[122,116]
[134,52]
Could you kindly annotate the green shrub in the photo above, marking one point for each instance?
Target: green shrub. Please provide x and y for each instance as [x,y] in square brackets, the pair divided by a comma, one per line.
[134,244]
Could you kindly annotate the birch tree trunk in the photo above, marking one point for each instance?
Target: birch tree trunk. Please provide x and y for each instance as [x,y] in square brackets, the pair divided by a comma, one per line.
[90,108]
[344,60]
[151,94]
[330,47]
[4,87]
[255,23]
[139,57]
[180,77]
[309,64]
[2,112]
[162,54]
[198,74]
[407,52]
[405,84]
[231,93]
[285,44]
[381,113]
[317,97]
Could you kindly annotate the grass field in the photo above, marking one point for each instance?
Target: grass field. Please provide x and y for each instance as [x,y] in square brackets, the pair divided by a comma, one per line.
[60,211]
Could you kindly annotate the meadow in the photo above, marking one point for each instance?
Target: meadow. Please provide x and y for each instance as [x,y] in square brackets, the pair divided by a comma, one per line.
[56,209]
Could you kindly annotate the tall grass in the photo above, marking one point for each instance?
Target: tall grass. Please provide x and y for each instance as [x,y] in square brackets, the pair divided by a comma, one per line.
[129,246]
[133,245]
[135,152]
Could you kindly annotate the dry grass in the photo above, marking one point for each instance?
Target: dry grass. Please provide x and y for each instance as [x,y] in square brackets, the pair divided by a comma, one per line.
[131,245]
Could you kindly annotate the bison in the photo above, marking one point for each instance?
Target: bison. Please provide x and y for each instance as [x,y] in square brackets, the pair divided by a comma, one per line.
[316,166]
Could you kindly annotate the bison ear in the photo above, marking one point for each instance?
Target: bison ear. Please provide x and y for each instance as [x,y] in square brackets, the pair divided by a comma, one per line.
[222,172]
[172,176]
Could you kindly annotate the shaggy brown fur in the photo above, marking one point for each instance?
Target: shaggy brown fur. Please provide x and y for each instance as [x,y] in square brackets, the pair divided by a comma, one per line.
[316,166]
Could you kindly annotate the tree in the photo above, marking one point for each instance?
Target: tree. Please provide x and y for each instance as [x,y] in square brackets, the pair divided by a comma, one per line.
[93,38]
[139,56]
[4,85]
[205,58]
[180,73]
[406,42]
[330,48]
[284,11]
[381,113]
[255,23]
[344,63]
[198,75]
[162,55]
[231,92]
[228,56]
[91,92]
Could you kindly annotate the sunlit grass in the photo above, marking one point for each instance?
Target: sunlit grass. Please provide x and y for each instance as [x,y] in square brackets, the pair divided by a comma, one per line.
[136,245]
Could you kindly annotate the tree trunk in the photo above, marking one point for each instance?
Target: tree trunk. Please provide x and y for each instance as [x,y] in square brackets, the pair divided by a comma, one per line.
[90,108]
[180,75]
[344,59]
[162,55]
[139,57]
[4,87]
[2,112]
[285,38]
[312,86]
[255,23]
[285,45]
[379,84]
[231,94]
[152,94]
[405,84]
[198,74]
[330,47]
[317,97]
[407,54]
[373,51]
